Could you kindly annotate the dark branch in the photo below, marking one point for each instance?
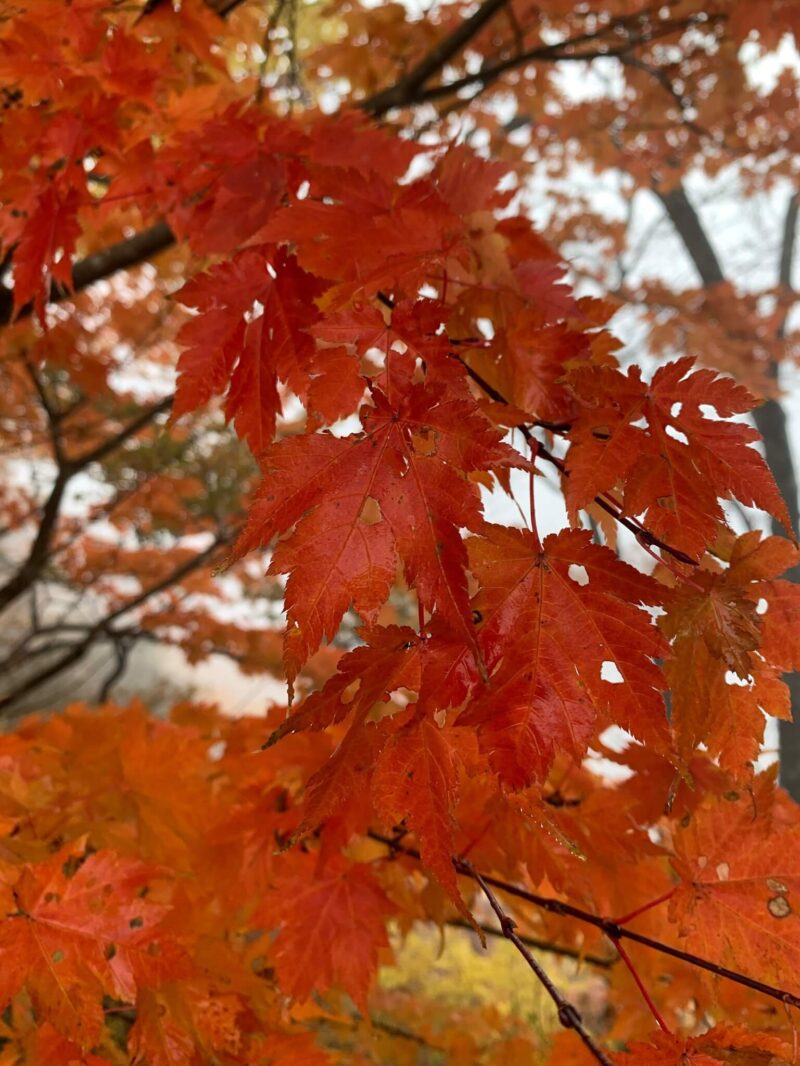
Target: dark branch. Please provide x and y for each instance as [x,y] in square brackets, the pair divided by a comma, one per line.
[788,242]
[643,535]
[769,417]
[568,1014]
[121,650]
[562,51]
[407,89]
[612,930]
[102,451]
[121,256]
[685,219]
[36,561]
[38,555]
[103,627]
[605,962]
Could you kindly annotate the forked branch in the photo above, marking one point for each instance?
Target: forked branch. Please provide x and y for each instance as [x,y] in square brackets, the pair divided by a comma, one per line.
[613,930]
[407,89]
[568,1014]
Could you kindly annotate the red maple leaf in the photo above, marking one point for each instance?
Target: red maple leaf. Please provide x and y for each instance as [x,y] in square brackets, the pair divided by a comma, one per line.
[80,928]
[546,638]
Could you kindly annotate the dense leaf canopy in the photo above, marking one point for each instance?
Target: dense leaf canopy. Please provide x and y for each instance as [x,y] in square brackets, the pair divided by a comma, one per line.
[282,352]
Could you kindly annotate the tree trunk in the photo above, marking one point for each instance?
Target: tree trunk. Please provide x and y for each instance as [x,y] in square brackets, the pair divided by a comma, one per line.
[770,420]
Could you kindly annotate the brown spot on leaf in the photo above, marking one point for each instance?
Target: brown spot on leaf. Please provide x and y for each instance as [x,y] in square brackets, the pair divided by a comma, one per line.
[425,441]
[371,512]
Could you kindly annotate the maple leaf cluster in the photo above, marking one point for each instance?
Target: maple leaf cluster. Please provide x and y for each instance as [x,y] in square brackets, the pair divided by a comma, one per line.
[227,889]
[135,931]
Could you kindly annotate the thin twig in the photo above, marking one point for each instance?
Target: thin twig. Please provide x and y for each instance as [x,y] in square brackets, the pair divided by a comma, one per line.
[32,567]
[121,649]
[568,1014]
[101,629]
[605,962]
[623,954]
[553,53]
[613,931]
[643,535]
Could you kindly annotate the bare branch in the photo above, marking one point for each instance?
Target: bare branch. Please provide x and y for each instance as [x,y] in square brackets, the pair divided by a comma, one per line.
[36,561]
[102,451]
[788,241]
[407,89]
[37,558]
[609,505]
[121,651]
[562,51]
[120,256]
[103,627]
[684,217]
[603,961]
[613,930]
[568,1014]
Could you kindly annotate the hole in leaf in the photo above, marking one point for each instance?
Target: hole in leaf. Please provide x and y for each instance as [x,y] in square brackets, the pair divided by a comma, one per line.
[578,574]
[677,435]
[610,672]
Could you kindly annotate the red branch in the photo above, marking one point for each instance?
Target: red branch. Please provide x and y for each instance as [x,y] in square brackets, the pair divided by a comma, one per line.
[623,954]
[644,907]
